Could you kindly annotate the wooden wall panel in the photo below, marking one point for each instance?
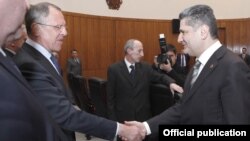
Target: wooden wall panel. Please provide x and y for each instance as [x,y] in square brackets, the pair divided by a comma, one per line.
[100,40]
[237,33]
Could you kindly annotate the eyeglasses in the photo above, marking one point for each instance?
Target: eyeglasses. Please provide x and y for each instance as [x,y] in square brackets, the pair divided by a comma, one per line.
[58,27]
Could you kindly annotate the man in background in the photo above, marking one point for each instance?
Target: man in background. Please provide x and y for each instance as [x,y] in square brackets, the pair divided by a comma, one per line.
[74,69]
[46,28]
[12,46]
[245,56]
[74,64]
[171,67]
[128,85]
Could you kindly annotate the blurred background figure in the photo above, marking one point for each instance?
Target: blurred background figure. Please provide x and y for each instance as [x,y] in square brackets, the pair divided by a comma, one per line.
[12,45]
[245,56]
[74,68]
[172,68]
[74,64]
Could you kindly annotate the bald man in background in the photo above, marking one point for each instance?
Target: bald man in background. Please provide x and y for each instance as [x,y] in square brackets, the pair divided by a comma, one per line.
[12,45]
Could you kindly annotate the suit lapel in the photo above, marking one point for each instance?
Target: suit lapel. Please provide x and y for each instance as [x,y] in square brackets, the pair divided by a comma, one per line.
[42,61]
[138,72]
[206,71]
[8,64]
[125,72]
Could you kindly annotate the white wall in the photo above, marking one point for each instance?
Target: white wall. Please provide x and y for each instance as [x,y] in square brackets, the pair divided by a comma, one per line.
[153,9]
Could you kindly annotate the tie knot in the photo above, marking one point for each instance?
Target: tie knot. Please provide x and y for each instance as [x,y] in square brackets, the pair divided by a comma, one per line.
[197,64]
[53,58]
[55,62]
[132,67]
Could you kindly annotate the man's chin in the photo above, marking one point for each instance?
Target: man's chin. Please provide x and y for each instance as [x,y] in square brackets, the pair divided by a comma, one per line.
[186,51]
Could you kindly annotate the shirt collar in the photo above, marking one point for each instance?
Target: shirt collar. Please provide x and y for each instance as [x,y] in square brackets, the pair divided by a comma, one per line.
[205,56]
[1,51]
[128,64]
[39,48]
[11,51]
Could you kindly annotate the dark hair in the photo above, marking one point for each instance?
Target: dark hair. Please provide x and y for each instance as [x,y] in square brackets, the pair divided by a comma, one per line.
[171,48]
[73,50]
[198,15]
[37,13]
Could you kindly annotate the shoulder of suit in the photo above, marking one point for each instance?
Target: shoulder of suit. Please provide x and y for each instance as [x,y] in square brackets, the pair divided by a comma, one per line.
[116,64]
[143,63]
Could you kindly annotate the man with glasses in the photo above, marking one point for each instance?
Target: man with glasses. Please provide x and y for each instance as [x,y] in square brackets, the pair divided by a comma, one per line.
[22,117]
[46,31]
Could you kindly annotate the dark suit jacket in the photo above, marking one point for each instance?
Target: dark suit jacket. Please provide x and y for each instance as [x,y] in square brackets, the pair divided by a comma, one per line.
[22,118]
[74,67]
[52,93]
[128,98]
[177,73]
[185,69]
[220,95]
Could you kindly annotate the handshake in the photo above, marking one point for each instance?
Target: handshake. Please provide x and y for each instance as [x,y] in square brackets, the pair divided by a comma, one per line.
[132,131]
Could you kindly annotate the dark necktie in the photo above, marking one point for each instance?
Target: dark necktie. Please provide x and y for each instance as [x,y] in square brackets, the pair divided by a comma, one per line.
[132,72]
[195,72]
[55,62]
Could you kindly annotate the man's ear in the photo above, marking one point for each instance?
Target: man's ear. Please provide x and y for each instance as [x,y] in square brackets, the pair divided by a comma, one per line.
[204,31]
[129,50]
[35,29]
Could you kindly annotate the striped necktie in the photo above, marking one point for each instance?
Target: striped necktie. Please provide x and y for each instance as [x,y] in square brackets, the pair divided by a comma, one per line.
[196,71]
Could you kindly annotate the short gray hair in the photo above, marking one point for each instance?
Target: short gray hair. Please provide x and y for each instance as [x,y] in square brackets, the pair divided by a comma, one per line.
[200,14]
[129,44]
[37,13]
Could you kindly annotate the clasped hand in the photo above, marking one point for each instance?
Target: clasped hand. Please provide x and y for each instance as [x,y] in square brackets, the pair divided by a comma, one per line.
[132,131]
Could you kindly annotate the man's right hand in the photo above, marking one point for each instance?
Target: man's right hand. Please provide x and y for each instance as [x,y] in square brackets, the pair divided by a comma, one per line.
[130,133]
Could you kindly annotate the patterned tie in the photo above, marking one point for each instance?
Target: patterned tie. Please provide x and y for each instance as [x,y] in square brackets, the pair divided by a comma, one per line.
[182,63]
[76,60]
[195,72]
[56,64]
[132,72]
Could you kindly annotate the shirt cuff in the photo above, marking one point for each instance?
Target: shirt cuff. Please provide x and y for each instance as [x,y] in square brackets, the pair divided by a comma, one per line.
[117,129]
[148,131]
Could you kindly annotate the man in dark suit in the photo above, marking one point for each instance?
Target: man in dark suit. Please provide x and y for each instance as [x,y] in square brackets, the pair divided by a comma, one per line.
[74,64]
[245,56]
[172,68]
[74,68]
[220,93]
[128,91]
[46,30]
[22,118]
